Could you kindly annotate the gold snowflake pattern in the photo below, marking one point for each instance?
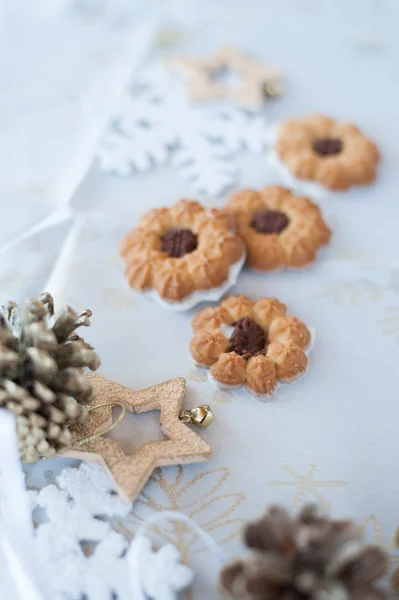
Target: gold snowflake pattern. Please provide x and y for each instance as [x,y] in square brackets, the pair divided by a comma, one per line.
[83,271]
[219,396]
[118,298]
[367,261]
[200,497]
[307,484]
[372,532]
[197,375]
[351,292]
[115,296]
[222,396]
[80,272]
[390,322]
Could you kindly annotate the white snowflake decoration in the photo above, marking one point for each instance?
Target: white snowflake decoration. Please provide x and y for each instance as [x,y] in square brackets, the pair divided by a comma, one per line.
[161,574]
[156,123]
[79,510]
[85,556]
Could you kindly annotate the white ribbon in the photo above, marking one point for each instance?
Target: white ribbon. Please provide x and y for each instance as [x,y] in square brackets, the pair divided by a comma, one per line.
[17,542]
[136,545]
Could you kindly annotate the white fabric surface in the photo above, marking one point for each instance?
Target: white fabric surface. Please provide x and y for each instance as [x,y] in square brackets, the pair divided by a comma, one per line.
[61,76]
[331,437]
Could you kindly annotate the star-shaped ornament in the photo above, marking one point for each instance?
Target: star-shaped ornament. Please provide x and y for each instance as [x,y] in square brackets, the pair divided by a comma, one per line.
[255,80]
[130,473]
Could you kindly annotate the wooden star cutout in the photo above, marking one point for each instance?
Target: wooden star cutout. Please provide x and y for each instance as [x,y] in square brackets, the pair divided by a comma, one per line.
[257,80]
[130,473]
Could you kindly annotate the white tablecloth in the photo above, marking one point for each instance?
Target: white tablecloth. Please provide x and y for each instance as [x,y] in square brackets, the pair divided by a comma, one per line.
[332,437]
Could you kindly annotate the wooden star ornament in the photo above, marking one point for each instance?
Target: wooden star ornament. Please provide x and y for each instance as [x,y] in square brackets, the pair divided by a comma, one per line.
[130,473]
[256,80]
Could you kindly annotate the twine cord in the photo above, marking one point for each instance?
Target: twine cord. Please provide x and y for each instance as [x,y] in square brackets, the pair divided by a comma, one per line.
[110,428]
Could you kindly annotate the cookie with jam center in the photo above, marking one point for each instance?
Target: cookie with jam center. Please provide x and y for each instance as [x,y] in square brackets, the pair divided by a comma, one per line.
[183,253]
[336,155]
[249,343]
[278,228]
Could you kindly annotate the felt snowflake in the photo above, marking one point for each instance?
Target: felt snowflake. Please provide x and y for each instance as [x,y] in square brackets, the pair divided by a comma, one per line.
[85,554]
[157,124]
[161,573]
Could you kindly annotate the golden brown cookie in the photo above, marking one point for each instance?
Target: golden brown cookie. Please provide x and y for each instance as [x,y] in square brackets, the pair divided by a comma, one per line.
[181,250]
[336,155]
[278,228]
[251,343]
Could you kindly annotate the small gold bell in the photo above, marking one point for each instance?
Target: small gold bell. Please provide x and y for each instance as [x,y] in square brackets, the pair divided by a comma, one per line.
[272,89]
[201,416]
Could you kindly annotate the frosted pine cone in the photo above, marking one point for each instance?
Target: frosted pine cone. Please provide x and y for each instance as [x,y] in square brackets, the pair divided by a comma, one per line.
[306,558]
[41,374]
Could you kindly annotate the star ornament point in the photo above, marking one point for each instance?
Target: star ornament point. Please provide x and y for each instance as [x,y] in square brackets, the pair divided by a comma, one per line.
[256,79]
[131,473]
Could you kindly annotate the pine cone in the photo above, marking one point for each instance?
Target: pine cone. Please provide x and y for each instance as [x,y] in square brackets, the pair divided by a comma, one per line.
[41,374]
[306,558]
[395,574]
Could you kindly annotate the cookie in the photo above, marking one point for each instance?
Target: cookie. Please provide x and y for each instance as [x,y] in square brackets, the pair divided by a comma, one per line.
[278,228]
[249,343]
[333,154]
[184,254]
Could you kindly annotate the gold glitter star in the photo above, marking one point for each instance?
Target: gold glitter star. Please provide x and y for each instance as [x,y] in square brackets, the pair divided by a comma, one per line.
[306,484]
[256,81]
[130,473]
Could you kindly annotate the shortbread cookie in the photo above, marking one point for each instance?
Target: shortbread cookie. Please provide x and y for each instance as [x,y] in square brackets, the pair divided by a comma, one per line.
[185,254]
[250,343]
[278,228]
[335,155]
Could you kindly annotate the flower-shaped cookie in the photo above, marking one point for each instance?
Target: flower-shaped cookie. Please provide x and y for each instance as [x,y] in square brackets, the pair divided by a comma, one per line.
[336,155]
[251,343]
[183,249]
[278,228]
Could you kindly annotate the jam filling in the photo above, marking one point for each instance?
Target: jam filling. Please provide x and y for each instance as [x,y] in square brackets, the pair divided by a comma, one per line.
[270,221]
[327,146]
[178,242]
[248,338]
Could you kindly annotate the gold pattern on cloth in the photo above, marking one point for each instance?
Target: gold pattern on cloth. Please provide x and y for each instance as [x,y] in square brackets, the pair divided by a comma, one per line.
[372,532]
[307,484]
[171,490]
[222,396]
[198,375]
[390,322]
[351,292]
[117,298]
